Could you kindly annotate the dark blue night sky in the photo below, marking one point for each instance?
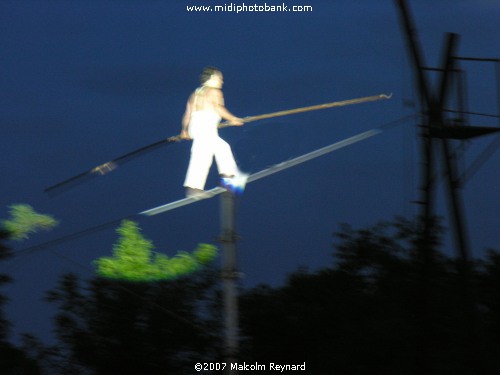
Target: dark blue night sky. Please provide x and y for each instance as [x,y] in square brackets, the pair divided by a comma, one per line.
[83,82]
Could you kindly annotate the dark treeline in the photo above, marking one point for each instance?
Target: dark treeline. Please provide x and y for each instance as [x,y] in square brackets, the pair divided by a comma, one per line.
[12,359]
[378,308]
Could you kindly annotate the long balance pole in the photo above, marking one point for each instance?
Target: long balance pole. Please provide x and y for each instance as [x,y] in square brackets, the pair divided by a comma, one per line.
[311,108]
[113,164]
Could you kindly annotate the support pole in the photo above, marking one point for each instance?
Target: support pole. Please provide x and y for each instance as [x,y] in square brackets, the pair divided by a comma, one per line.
[229,276]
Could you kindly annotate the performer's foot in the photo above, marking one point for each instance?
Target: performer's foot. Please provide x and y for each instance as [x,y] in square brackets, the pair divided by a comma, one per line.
[194,193]
[235,183]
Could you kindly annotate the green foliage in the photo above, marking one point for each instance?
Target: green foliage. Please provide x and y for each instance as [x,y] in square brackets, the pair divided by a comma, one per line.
[25,221]
[133,258]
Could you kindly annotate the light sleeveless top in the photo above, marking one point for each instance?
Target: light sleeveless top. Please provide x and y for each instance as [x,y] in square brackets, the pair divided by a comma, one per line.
[204,122]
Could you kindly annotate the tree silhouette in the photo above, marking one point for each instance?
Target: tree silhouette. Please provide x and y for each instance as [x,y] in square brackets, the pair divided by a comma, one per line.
[12,359]
[120,327]
[4,253]
[488,306]
[362,315]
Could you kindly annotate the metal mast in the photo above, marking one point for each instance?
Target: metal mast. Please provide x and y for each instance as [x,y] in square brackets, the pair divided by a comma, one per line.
[229,276]
[436,131]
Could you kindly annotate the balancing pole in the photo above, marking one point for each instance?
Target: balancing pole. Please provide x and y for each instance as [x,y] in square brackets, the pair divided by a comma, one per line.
[113,164]
[310,108]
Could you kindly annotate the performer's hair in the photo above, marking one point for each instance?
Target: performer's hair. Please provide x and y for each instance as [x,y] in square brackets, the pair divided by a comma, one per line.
[207,73]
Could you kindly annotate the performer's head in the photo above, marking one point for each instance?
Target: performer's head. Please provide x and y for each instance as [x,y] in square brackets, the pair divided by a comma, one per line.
[211,77]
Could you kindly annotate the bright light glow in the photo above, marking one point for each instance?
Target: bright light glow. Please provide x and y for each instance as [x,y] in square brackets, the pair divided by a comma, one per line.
[235,184]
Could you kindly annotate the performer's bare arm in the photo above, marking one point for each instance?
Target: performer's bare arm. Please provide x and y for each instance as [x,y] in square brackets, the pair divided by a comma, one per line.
[213,100]
[186,118]
[216,100]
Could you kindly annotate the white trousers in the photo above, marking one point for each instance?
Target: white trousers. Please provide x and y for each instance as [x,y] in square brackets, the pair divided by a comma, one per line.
[206,145]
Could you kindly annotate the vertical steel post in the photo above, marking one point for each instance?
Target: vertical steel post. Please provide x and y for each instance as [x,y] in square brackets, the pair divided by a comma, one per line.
[229,276]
